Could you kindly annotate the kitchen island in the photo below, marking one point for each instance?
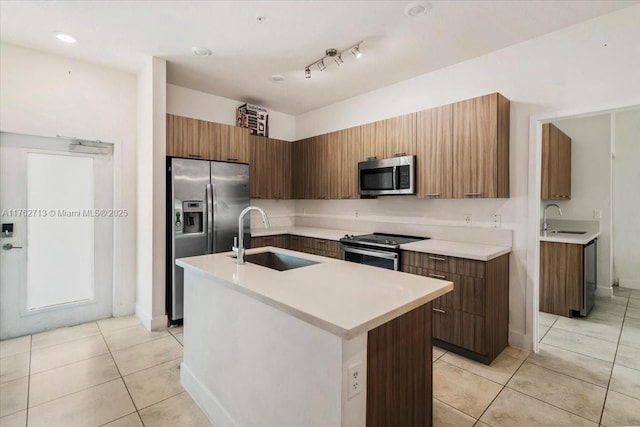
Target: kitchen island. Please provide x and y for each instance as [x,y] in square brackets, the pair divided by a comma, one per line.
[328,344]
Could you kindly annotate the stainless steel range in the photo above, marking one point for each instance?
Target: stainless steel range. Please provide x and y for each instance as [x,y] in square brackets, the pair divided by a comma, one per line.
[377,249]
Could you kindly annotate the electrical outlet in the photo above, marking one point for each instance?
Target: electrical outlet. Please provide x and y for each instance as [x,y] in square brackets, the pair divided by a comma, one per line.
[467,219]
[597,214]
[497,221]
[355,380]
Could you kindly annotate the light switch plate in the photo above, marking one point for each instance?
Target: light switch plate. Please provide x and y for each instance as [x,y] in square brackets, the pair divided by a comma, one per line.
[597,214]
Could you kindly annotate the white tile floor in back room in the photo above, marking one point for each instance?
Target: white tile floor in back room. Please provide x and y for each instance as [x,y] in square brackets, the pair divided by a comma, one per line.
[115,373]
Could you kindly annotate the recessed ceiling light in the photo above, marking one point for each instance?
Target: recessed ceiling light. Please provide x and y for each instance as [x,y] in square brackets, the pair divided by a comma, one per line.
[67,38]
[201,51]
[418,8]
[276,78]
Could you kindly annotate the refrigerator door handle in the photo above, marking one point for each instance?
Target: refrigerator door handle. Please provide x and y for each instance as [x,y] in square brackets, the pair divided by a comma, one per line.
[209,248]
[214,220]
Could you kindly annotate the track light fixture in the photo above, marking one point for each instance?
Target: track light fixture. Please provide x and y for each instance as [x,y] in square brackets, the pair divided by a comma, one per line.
[337,57]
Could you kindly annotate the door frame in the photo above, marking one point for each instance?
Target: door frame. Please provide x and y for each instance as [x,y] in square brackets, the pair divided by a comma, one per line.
[534,186]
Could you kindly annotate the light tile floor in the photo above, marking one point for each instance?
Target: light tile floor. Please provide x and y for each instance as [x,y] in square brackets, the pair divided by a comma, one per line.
[107,373]
[587,373]
[115,373]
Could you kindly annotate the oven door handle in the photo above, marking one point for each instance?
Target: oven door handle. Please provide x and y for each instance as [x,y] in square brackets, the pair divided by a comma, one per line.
[394,180]
[371,252]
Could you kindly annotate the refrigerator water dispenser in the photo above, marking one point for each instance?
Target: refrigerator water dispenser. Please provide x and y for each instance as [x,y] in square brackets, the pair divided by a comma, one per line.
[193,212]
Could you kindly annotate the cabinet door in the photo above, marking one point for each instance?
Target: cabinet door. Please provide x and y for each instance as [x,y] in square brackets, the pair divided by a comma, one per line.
[236,146]
[346,153]
[319,168]
[561,278]
[447,324]
[260,168]
[434,163]
[481,147]
[564,174]
[187,137]
[401,135]
[300,175]
[556,164]
[281,163]
[473,334]
[373,141]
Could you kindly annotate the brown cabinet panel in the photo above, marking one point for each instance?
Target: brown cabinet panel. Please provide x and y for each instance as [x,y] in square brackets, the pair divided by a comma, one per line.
[187,137]
[472,294]
[235,147]
[373,140]
[300,168]
[401,135]
[271,168]
[447,324]
[473,333]
[260,168]
[479,140]
[556,164]
[561,278]
[469,267]
[434,133]
[344,155]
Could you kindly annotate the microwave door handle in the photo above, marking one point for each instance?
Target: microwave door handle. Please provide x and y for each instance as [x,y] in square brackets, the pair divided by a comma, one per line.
[393,178]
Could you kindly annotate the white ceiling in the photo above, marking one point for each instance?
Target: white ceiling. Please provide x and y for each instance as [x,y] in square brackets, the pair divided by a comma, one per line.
[121,34]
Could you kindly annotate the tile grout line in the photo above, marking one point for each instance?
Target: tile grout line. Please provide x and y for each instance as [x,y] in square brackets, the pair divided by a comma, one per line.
[26,420]
[577,352]
[545,334]
[613,365]
[503,387]
[121,376]
[456,409]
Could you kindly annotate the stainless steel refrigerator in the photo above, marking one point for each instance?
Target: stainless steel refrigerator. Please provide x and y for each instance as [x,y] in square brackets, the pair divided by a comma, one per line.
[204,201]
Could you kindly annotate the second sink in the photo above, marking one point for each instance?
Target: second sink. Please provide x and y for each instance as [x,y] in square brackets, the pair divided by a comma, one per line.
[567,232]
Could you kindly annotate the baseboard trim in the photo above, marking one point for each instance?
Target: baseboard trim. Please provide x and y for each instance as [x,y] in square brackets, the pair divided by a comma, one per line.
[212,408]
[603,291]
[157,323]
[520,340]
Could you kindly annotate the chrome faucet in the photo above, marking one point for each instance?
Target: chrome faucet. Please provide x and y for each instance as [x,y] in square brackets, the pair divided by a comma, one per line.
[238,246]
[544,215]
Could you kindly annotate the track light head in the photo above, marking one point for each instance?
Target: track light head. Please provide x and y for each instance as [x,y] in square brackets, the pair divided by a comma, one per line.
[338,60]
[321,65]
[356,51]
[307,73]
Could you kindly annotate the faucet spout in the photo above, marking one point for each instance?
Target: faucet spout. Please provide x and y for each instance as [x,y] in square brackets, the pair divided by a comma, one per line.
[239,248]
[545,225]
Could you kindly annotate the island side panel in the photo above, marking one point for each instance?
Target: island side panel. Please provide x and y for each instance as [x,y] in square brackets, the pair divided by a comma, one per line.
[399,371]
[248,364]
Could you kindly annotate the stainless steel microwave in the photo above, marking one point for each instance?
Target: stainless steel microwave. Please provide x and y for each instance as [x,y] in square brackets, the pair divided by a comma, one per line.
[396,175]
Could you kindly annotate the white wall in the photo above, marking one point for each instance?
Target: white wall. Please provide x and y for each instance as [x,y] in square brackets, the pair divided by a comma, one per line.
[570,69]
[48,95]
[590,182]
[150,291]
[204,106]
[626,200]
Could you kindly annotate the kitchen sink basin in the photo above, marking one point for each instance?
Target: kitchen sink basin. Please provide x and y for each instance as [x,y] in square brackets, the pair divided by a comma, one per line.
[276,261]
[568,232]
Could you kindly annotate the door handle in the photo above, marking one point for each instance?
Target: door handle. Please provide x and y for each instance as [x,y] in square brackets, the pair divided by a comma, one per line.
[9,246]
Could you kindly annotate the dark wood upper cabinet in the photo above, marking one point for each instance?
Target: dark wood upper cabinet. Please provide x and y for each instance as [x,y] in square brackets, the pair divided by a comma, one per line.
[372,141]
[481,147]
[188,137]
[434,134]
[400,136]
[556,164]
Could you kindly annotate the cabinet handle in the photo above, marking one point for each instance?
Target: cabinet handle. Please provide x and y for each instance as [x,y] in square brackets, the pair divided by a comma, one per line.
[437,310]
[231,159]
[400,154]
[321,241]
[437,276]
[322,197]
[432,194]
[472,194]
[278,197]
[345,196]
[437,258]
[195,156]
[294,238]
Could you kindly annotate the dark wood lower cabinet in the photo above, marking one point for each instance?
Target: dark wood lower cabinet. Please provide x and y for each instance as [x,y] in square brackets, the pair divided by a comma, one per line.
[561,278]
[473,319]
[399,371]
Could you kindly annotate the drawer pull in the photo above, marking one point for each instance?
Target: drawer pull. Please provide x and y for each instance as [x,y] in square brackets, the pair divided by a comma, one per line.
[195,156]
[400,154]
[231,159]
[433,194]
[437,276]
[472,194]
[437,310]
[345,196]
[321,241]
[437,258]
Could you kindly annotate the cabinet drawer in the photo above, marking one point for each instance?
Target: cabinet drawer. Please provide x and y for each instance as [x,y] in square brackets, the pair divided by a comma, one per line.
[469,267]
[321,244]
[295,243]
[447,324]
[468,293]
[439,262]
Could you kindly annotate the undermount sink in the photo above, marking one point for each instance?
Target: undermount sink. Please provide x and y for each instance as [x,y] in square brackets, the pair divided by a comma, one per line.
[567,232]
[276,261]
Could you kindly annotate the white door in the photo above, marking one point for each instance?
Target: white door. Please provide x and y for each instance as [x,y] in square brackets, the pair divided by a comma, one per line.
[56,269]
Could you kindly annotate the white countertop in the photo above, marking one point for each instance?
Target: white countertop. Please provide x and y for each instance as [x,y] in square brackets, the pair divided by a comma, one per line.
[457,249]
[475,251]
[344,298]
[592,229]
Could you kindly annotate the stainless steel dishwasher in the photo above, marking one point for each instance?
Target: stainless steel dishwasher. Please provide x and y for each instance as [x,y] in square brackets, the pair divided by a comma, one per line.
[590,276]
